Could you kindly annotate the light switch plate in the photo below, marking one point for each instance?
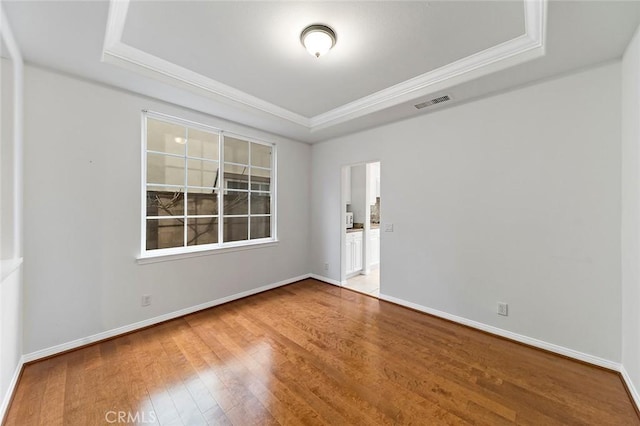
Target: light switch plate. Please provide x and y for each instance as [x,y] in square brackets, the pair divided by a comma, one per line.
[503,309]
[388,227]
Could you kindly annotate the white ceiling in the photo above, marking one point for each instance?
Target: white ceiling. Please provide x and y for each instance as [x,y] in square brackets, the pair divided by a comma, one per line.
[243,61]
[379,44]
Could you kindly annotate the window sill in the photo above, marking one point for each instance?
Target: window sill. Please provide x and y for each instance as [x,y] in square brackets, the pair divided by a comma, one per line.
[165,257]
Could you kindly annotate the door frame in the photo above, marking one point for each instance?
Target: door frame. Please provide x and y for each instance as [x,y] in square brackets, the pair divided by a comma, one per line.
[366,252]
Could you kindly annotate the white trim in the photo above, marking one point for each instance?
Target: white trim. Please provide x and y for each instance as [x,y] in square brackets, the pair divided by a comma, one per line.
[143,179]
[117,52]
[155,257]
[570,353]
[53,350]
[172,119]
[185,251]
[6,400]
[635,395]
[504,55]
[471,67]
[327,280]
[8,267]
[535,21]
[513,52]
[115,24]
[13,50]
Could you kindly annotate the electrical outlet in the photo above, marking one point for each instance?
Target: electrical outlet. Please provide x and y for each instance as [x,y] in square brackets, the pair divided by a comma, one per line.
[326,267]
[146,300]
[503,309]
[388,227]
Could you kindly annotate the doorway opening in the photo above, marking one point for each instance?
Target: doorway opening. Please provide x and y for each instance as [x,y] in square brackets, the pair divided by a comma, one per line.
[361,211]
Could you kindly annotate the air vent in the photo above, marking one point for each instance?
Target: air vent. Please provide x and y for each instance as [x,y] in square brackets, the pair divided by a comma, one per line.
[433,101]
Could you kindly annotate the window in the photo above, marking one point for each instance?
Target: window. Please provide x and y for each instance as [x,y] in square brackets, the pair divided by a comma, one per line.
[204,188]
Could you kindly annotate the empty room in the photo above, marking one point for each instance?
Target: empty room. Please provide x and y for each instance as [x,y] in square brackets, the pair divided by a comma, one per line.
[327,213]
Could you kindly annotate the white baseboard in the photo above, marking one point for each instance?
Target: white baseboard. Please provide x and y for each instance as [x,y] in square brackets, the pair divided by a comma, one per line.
[635,395]
[326,280]
[33,356]
[591,359]
[53,350]
[11,389]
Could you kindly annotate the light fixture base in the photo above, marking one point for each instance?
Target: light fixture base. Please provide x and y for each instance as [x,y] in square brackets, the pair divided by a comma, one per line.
[316,39]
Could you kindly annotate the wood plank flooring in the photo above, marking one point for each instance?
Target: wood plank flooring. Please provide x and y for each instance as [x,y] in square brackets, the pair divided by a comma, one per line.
[311,353]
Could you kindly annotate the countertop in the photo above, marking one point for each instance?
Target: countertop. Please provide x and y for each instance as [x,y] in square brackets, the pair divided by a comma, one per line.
[373,226]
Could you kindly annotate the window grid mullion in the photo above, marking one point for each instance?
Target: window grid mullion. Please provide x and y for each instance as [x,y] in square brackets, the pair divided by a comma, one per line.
[267,189]
[249,193]
[221,236]
[143,202]
[186,190]
[272,192]
[166,185]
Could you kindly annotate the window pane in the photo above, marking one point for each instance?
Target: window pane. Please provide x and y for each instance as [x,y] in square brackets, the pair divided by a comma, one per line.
[163,169]
[165,137]
[184,183]
[199,203]
[202,231]
[260,155]
[202,144]
[162,201]
[236,202]
[260,179]
[202,173]
[260,203]
[260,227]
[164,233]
[236,177]
[236,150]
[235,228]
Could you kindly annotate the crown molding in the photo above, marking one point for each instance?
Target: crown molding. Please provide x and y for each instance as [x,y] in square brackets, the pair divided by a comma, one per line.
[504,55]
[496,58]
[119,53]
[152,66]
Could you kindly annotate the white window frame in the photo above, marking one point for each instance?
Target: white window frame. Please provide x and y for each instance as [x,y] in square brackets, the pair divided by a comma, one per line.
[147,256]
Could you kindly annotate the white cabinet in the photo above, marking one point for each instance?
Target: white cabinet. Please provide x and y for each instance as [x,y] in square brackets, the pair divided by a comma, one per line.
[348,256]
[374,244]
[357,255]
[353,252]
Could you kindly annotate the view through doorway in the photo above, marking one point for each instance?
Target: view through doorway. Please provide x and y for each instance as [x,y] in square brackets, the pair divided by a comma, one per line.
[361,228]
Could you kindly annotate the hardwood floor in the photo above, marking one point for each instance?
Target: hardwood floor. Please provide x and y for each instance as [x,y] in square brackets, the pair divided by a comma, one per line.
[312,353]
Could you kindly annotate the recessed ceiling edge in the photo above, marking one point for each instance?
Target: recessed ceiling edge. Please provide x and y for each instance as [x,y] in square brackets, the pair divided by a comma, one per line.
[504,55]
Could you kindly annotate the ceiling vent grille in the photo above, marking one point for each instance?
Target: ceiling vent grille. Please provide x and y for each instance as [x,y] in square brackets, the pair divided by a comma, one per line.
[433,101]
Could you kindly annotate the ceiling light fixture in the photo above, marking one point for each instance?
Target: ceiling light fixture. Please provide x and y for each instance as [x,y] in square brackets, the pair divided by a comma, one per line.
[318,39]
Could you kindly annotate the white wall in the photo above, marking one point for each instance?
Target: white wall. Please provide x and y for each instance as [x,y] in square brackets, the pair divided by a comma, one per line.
[358,195]
[631,212]
[11,301]
[513,198]
[82,207]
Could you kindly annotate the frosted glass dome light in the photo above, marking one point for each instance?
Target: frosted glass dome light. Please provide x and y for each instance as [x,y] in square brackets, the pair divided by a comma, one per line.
[318,39]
